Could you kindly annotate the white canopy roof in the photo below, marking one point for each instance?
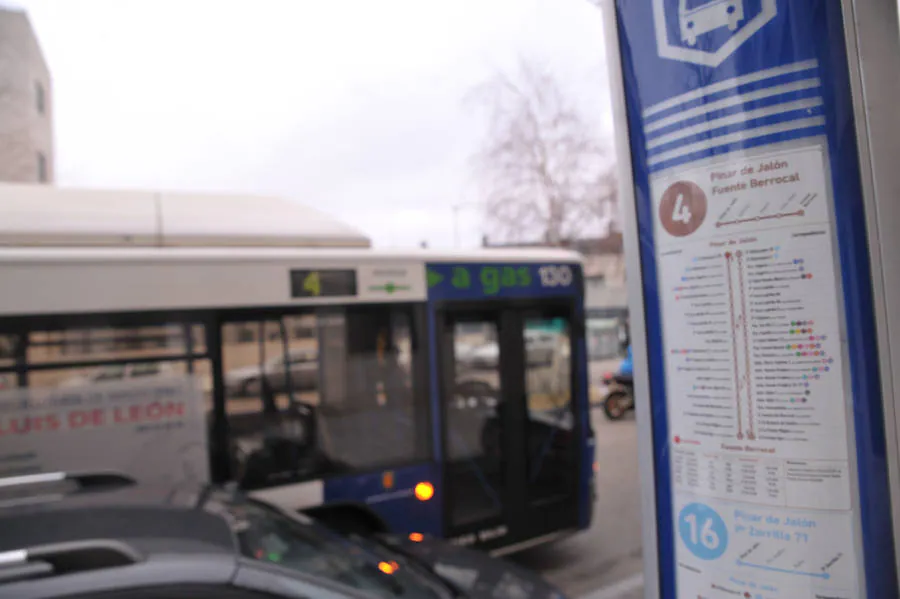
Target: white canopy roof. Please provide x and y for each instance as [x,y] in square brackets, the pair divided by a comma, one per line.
[39,215]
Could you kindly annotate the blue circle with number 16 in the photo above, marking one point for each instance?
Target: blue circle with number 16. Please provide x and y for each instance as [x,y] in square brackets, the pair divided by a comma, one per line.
[703,531]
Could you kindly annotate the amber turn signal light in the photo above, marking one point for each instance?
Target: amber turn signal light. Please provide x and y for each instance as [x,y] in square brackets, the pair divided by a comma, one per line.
[424,491]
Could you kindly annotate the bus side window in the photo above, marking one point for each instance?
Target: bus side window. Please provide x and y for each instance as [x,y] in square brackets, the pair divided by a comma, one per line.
[105,354]
[8,350]
[303,406]
[8,347]
[111,343]
[270,384]
[375,422]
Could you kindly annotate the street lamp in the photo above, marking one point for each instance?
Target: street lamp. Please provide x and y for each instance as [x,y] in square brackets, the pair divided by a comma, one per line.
[456,208]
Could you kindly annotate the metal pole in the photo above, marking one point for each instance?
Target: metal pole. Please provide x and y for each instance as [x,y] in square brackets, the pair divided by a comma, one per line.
[637,327]
[872,48]
[456,209]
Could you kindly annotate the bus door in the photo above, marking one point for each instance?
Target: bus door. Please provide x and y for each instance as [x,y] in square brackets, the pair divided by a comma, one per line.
[509,423]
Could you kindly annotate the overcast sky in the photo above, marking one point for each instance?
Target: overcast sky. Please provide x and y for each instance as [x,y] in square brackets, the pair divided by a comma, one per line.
[354,107]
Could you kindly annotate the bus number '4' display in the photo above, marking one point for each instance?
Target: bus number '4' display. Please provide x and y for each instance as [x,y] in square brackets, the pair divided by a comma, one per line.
[323,283]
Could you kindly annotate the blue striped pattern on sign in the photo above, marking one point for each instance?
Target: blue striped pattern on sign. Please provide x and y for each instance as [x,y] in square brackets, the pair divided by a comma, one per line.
[768,106]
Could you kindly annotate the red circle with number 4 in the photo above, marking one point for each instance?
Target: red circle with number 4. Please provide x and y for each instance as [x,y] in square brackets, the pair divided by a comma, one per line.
[683,208]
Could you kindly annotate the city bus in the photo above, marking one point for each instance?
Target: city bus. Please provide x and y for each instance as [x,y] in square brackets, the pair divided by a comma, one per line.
[259,343]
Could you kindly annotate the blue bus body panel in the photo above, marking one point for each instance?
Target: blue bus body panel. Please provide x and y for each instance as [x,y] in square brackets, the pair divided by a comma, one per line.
[805,39]
[395,504]
[503,281]
[586,482]
[434,386]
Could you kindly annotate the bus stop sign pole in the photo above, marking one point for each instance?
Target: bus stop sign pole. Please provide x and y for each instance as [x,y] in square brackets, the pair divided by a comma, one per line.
[755,194]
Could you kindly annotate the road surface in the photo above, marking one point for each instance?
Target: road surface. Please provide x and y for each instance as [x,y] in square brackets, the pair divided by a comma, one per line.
[610,551]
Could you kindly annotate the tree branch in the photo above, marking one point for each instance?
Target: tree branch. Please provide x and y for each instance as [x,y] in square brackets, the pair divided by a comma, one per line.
[542,172]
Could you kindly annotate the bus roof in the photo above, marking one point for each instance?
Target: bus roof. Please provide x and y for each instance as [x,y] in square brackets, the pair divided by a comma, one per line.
[40,215]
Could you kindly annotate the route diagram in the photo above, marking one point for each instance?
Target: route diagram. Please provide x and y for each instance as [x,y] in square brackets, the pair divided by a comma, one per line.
[745,380]
[822,575]
[734,348]
[753,219]
[740,343]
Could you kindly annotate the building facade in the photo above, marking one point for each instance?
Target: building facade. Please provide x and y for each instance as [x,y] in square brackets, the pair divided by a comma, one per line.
[26,104]
[604,269]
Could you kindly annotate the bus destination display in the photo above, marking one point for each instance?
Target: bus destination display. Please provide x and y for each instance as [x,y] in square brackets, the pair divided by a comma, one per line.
[457,281]
[323,283]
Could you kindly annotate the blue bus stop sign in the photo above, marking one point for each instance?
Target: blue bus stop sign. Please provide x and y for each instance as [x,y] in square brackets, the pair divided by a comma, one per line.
[768,438]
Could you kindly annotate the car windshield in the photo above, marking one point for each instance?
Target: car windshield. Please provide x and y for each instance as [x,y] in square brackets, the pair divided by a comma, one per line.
[266,534]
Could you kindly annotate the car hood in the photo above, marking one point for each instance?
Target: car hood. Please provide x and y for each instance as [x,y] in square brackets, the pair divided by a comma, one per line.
[475,574]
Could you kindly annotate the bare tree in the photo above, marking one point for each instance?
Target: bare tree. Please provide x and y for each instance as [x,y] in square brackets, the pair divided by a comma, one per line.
[543,169]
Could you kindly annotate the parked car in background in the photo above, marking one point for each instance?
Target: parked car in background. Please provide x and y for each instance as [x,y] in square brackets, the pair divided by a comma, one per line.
[104,536]
[540,347]
[303,365]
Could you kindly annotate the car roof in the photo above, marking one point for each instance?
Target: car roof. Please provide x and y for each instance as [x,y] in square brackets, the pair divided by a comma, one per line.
[133,536]
[137,512]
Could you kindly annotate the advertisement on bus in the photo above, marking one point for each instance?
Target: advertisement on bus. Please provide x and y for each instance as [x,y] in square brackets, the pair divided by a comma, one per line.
[150,430]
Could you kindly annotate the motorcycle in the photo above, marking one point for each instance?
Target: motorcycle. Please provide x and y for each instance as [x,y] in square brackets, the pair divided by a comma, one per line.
[619,398]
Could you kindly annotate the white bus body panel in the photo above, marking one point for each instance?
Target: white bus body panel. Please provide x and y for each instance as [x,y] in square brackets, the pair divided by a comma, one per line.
[54,281]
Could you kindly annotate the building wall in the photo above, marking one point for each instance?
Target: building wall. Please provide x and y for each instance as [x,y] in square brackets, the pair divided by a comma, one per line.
[26,131]
[605,281]
[601,295]
[611,267]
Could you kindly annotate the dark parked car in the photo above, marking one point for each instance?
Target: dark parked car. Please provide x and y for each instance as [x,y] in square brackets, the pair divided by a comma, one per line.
[104,536]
